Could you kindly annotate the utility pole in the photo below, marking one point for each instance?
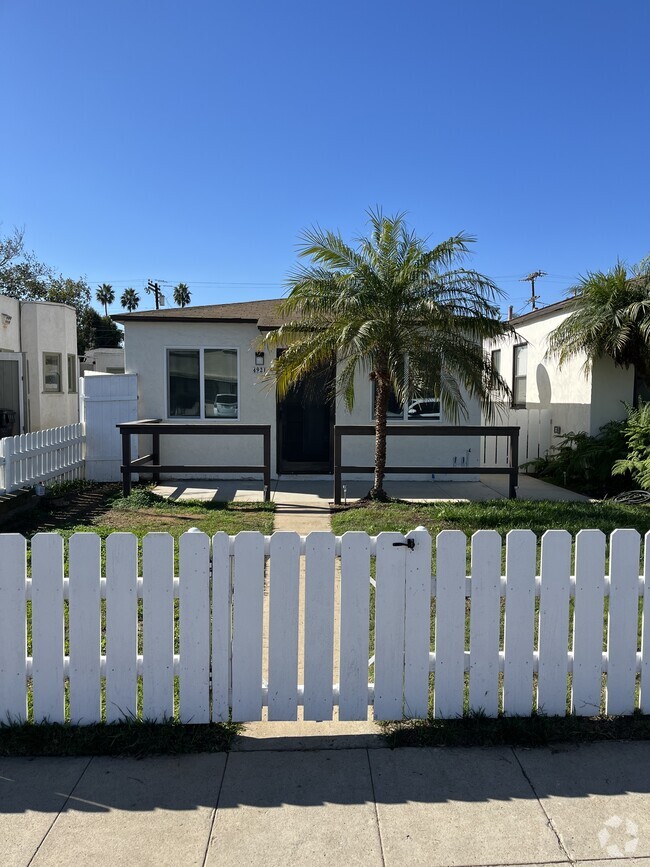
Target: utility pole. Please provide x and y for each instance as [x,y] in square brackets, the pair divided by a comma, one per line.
[531,279]
[154,288]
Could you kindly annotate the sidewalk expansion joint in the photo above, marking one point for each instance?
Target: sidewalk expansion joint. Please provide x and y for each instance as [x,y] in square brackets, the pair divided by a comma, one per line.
[374,802]
[214,812]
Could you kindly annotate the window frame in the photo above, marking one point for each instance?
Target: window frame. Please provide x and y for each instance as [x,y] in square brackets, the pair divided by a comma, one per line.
[202,416]
[59,388]
[393,419]
[72,381]
[515,378]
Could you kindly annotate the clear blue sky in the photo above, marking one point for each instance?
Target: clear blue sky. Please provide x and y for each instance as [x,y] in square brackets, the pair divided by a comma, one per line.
[193,141]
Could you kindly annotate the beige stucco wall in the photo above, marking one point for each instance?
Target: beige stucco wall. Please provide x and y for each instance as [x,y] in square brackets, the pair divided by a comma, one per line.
[146,346]
[9,330]
[572,398]
[49,327]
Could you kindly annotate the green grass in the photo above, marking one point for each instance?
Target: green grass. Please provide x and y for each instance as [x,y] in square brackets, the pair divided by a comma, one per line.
[500,515]
[534,731]
[133,738]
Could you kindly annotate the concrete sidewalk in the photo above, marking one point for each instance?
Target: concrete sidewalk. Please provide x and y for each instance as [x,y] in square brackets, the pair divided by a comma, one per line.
[488,806]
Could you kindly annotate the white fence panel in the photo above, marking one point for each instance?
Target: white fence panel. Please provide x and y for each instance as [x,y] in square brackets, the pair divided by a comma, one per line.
[588,623]
[220,628]
[248,597]
[53,455]
[194,626]
[121,626]
[284,585]
[389,625]
[485,619]
[85,627]
[450,623]
[13,628]
[47,627]
[158,627]
[355,624]
[319,626]
[623,613]
[644,703]
[521,548]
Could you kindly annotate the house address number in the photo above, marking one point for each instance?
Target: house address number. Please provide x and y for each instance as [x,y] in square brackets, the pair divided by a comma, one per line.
[259,369]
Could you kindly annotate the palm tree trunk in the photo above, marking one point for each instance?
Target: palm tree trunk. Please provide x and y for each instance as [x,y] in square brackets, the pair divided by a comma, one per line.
[381,405]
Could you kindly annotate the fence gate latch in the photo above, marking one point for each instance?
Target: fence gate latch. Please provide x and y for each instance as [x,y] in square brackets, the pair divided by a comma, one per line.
[409,543]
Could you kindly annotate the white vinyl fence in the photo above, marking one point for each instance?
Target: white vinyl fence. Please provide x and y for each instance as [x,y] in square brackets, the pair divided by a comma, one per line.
[220,633]
[55,454]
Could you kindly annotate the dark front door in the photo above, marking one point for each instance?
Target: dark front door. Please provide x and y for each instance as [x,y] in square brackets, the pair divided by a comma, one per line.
[305,420]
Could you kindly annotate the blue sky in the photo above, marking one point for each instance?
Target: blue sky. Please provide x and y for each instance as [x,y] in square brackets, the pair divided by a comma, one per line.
[194,141]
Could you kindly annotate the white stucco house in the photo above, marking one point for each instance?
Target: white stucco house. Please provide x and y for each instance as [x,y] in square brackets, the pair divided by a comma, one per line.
[205,364]
[38,366]
[102,360]
[548,401]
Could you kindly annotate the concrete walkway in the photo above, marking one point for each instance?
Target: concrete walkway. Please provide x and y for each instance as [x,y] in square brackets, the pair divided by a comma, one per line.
[491,806]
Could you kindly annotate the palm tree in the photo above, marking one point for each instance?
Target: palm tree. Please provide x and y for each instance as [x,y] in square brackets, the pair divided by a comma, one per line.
[387,299]
[610,316]
[105,296]
[182,295]
[130,299]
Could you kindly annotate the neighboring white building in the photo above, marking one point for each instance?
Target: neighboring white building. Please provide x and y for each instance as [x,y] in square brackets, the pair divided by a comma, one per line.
[38,366]
[102,360]
[204,364]
[549,401]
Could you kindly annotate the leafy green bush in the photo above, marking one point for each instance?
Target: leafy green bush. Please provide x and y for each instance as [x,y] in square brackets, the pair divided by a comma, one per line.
[637,439]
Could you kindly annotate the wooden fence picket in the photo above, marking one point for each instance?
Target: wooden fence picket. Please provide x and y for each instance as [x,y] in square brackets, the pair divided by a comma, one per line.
[389,625]
[354,624]
[221,627]
[624,553]
[284,584]
[417,624]
[644,703]
[194,628]
[553,665]
[121,626]
[248,595]
[319,626]
[47,628]
[158,627]
[450,623]
[588,623]
[521,548]
[485,617]
[13,628]
[85,627]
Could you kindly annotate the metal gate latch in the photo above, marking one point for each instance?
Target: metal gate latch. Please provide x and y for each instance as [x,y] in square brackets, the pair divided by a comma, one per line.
[410,544]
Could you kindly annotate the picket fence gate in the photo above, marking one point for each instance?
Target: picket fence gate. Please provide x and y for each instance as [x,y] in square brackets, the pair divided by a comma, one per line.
[55,454]
[193,645]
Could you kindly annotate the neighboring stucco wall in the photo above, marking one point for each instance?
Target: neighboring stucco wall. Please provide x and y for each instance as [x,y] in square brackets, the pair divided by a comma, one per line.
[559,400]
[49,327]
[103,360]
[146,347]
[9,330]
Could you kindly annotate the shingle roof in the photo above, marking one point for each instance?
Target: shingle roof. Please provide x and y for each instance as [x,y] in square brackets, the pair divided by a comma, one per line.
[263,313]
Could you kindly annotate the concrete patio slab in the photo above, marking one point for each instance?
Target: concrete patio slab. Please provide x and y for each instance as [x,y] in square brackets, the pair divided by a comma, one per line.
[296,808]
[32,793]
[138,812]
[459,807]
[596,795]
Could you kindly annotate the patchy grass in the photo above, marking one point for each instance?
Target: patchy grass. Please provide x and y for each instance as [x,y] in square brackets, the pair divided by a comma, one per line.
[500,515]
[133,738]
[101,509]
[534,731]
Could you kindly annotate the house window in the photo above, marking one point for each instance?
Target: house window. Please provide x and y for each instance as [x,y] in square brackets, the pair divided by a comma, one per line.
[519,363]
[72,374]
[417,409]
[203,383]
[495,362]
[52,371]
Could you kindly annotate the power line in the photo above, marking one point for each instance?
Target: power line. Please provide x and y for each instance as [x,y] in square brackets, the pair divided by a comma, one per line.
[531,279]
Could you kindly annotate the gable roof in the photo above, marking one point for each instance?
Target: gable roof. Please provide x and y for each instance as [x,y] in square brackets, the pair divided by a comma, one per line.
[541,312]
[264,314]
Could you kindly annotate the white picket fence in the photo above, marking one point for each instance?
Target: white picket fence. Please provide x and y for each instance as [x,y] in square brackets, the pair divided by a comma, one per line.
[483,641]
[55,454]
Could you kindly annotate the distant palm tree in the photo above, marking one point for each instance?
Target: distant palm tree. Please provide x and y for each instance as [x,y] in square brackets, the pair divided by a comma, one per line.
[610,316]
[130,299]
[105,296]
[182,295]
[387,300]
